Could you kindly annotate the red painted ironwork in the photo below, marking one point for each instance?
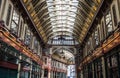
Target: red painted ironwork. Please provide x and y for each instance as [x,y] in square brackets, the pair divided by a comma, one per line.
[8,65]
[110,43]
[7,37]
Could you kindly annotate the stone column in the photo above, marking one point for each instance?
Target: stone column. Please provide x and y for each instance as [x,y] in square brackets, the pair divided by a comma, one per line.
[48,73]
[93,70]
[54,74]
[103,67]
[64,75]
[39,73]
[31,70]
[42,75]
[51,74]
[19,66]
[81,74]
[60,75]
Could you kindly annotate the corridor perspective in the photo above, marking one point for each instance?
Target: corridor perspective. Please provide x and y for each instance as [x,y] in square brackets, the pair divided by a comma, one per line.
[59,38]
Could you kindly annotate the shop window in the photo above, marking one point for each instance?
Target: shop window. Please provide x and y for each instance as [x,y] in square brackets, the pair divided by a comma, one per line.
[90,71]
[108,23]
[112,66]
[114,61]
[7,73]
[85,72]
[8,14]
[27,36]
[98,69]
[114,15]
[15,23]
[45,73]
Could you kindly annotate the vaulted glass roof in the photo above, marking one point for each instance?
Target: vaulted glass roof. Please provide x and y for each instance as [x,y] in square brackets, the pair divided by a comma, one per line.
[62,22]
[60,12]
[54,18]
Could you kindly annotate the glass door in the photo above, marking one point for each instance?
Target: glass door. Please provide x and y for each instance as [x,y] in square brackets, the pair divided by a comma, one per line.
[113,66]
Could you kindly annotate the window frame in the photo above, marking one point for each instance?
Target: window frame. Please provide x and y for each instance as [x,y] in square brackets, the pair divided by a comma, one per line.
[7,16]
[103,30]
[114,15]
[35,42]
[17,24]
[93,41]
[21,27]
[88,46]
[110,21]
[3,5]
[30,42]
[99,33]
[118,1]
[96,36]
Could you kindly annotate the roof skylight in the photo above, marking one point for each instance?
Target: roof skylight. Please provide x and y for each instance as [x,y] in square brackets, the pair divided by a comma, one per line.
[62,15]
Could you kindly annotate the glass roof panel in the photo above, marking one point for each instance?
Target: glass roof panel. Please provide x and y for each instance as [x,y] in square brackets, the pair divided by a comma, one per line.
[64,26]
[60,12]
[61,29]
[61,33]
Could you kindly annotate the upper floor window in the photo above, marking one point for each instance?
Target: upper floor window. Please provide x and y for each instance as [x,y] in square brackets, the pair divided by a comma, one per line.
[36,45]
[88,46]
[21,28]
[84,51]
[58,64]
[8,14]
[114,15]
[108,22]
[96,36]
[103,30]
[27,36]
[15,23]
[45,60]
